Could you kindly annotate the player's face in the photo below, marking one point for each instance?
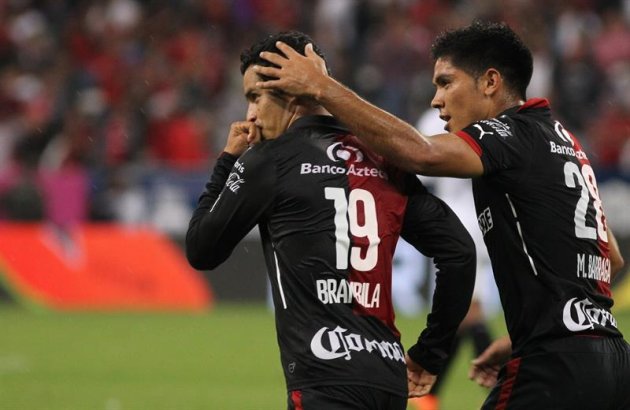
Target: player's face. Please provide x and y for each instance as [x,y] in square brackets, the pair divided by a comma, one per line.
[458,96]
[270,111]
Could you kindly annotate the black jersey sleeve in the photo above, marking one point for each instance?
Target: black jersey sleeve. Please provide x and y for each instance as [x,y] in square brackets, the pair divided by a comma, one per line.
[434,229]
[500,148]
[234,200]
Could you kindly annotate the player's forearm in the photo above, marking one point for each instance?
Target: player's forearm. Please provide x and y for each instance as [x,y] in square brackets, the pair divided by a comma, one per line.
[451,299]
[383,132]
[432,227]
[201,238]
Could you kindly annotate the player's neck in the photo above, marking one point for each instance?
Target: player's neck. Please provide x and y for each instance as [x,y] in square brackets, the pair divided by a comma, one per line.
[504,104]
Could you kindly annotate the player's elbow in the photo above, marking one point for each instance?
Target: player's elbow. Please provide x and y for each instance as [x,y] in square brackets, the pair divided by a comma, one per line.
[201,257]
[461,260]
[201,261]
[201,250]
[467,257]
[197,259]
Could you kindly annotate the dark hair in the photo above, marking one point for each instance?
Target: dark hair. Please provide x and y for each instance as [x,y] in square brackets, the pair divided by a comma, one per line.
[296,39]
[484,45]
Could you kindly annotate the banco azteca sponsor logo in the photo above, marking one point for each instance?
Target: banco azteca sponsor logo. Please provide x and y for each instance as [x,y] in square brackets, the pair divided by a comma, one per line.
[579,315]
[342,155]
[337,343]
[340,152]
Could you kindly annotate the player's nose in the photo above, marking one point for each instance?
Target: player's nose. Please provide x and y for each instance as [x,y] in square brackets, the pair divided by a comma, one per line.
[251,112]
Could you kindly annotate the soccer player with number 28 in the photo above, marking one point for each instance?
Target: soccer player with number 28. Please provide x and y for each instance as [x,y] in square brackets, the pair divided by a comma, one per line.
[329,213]
[538,207]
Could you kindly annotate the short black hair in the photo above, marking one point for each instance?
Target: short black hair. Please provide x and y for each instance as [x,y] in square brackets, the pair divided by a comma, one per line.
[295,39]
[483,45]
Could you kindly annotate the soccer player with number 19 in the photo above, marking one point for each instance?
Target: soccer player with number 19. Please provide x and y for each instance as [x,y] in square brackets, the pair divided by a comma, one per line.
[329,213]
[538,207]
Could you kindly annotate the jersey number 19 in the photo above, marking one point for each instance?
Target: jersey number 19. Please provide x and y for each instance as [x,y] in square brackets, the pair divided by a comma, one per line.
[368,228]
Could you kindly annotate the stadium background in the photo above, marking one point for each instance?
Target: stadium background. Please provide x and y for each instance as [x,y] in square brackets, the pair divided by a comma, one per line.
[111,114]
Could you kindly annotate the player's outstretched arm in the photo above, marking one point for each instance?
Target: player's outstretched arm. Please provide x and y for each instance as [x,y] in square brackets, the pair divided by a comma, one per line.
[395,139]
[485,368]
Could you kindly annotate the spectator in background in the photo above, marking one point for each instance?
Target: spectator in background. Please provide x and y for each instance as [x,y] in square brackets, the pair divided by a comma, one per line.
[612,45]
[134,57]
[21,196]
[610,131]
[576,78]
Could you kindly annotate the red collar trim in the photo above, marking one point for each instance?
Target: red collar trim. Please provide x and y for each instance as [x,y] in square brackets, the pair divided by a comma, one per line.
[534,103]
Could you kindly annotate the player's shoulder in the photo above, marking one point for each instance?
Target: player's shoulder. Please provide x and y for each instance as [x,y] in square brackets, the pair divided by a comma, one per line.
[502,126]
[256,159]
[518,122]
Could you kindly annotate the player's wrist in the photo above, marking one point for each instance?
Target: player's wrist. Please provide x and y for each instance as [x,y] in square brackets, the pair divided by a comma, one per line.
[428,359]
[326,90]
[225,155]
[235,152]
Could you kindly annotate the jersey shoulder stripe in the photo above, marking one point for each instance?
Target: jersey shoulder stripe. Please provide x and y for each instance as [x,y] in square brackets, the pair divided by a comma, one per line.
[470,141]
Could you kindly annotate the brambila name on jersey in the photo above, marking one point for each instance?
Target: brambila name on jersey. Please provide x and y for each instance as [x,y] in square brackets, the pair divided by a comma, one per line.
[308,168]
[593,267]
[343,291]
[337,343]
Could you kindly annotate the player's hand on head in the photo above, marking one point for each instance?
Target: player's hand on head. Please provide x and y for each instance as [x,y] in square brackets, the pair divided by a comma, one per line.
[241,132]
[485,368]
[296,74]
[419,381]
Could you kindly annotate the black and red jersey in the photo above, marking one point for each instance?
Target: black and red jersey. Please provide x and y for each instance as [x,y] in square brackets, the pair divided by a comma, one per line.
[539,210]
[330,213]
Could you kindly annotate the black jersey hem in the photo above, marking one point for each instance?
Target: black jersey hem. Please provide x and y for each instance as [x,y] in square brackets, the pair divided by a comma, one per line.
[346,382]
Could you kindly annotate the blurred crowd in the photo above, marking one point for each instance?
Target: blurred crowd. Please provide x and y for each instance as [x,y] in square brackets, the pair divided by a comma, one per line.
[116,109]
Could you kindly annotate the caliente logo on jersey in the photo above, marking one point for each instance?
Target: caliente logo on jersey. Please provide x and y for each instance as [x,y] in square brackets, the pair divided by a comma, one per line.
[337,343]
[579,315]
[340,152]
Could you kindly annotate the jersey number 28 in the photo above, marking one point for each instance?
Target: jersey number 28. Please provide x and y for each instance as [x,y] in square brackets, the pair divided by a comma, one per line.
[367,228]
[585,178]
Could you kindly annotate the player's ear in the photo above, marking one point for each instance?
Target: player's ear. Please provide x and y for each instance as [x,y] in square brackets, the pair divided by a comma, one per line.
[491,81]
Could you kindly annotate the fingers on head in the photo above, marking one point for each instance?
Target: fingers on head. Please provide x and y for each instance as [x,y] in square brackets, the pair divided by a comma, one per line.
[285,48]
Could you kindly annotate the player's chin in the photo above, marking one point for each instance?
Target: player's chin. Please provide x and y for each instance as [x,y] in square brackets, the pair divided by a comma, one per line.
[448,126]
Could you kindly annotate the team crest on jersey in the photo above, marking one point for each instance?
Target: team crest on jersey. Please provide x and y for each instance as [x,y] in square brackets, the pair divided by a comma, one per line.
[340,152]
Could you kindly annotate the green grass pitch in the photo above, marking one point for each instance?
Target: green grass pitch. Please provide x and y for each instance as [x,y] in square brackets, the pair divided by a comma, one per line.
[223,360]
